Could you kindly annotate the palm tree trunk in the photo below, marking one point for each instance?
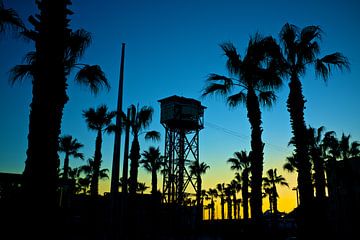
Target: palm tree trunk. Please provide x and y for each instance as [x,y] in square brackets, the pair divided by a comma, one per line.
[319,176]
[274,197]
[134,165]
[153,182]
[94,189]
[235,205]
[296,106]
[256,154]
[222,208]
[66,166]
[245,195]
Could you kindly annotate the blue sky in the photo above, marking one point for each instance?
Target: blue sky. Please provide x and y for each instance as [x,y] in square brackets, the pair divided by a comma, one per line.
[171,47]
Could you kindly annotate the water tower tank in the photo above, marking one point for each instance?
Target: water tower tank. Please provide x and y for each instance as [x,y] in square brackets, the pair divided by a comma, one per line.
[181,113]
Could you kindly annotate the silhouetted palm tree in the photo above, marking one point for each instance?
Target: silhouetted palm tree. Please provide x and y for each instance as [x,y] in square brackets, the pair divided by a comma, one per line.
[70,146]
[241,162]
[229,192]
[301,48]
[270,181]
[140,120]
[141,187]
[9,19]
[317,157]
[91,172]
[235,186]
[268,193]
[291,164]
[220,187]
[256,76]
[212,193]
[197,169]
[57,50]
[98,120]
[152,162]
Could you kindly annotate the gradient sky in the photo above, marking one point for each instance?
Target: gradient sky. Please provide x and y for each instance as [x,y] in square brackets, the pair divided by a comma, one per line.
[171,47]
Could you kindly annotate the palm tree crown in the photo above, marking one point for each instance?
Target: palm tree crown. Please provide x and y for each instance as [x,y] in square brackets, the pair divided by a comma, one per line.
[152,162]
[70,146]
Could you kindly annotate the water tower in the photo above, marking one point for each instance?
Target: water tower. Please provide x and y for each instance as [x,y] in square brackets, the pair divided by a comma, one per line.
[182,119]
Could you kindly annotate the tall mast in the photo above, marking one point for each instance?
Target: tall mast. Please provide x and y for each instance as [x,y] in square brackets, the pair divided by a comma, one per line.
[117,142]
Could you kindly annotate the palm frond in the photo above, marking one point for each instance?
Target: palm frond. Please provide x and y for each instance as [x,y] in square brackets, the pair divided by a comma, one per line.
[233,64]
[236,99]
[267,98]
[9,19]
[309,34]
[21,72]
[77,43]
[93,77]
[152,135]
[215,88]
[288,35]
[323,65]
[144,117]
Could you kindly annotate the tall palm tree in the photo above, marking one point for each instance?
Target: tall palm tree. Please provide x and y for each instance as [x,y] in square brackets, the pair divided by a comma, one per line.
[98,120]
[57,48]
[270,181]
[9,19]
[241,162]
[139,121]
[254,77]
[301,48]
[152,162]
[70,146]
[197,169]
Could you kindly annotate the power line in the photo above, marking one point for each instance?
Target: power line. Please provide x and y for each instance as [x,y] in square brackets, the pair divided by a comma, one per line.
[243,137]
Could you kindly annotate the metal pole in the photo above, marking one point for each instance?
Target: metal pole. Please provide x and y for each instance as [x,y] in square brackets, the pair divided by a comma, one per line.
[114,188]
[117,142]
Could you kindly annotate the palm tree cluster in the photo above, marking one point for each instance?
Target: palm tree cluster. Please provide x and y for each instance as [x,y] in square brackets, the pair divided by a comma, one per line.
[255,77]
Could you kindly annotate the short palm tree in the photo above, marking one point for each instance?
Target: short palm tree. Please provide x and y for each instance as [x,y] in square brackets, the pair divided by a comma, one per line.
[241,162]
[98,120]
[197,169]
[317,157]
[235,186]
[152,162]
[139,121]
[141,187]
[70,146]
[301,48]
[91,172]
[270,181]
[212,193]
[254,77]
[220,188]
[9,19]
